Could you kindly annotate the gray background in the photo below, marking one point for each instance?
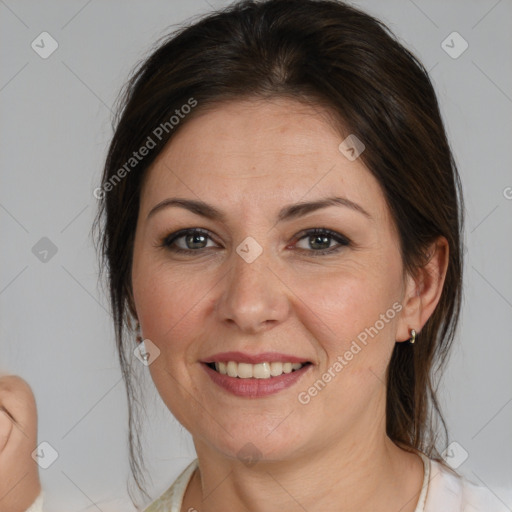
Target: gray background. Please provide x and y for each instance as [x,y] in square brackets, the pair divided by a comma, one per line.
[55,328]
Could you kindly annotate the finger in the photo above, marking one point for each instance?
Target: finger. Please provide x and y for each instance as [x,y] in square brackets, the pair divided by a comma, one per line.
[18,401]
[5,428]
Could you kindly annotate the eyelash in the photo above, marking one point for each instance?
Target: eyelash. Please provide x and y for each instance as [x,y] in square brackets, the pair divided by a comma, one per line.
[342,240]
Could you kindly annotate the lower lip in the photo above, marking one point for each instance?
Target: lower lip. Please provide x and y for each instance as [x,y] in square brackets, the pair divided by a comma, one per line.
[255,388]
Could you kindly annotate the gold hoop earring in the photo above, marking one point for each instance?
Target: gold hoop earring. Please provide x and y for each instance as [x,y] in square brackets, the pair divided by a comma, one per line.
[413,336]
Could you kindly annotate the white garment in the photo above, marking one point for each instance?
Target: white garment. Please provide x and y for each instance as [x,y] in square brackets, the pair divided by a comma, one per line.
[442,491]
[448,492]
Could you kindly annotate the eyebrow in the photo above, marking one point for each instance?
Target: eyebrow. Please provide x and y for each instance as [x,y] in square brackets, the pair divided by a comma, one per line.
[285,214]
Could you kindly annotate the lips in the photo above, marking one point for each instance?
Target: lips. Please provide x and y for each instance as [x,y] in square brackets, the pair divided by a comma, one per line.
[255,375]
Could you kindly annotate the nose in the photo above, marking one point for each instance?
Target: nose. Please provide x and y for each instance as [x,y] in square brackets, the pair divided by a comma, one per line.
[253,297]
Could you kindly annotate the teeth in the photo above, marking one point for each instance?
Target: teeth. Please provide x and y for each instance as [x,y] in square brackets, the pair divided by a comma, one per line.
[245,370]
[255,371]
[260,371]
[276,369]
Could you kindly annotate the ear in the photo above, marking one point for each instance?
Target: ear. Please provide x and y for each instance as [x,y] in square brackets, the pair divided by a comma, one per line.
[423,290]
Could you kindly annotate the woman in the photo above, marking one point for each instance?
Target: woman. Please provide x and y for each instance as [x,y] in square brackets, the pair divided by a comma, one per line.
[281,223]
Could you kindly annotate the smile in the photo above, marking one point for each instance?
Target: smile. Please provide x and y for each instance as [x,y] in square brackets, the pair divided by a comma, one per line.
[266,370]
[255,380]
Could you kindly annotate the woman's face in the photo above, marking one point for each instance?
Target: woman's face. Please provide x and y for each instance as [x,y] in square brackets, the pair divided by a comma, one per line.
[255,282]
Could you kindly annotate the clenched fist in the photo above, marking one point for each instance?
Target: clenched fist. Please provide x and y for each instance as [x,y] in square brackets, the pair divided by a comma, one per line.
[19,475]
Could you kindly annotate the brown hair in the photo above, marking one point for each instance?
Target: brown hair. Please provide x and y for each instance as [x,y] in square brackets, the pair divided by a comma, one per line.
[326,53]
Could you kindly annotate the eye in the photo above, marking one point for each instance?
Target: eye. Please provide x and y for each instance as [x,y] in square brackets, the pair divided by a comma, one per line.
[187,240]
[319,241]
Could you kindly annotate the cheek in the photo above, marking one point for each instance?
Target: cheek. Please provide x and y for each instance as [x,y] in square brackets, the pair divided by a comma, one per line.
[352,318]
[171,313]
[352,315]
[346,302]
[167,304]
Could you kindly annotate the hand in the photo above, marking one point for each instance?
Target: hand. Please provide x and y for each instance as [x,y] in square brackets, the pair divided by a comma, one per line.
[19,473]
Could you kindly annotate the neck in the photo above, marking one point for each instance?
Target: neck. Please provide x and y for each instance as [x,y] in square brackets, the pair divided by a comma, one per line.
[369,474]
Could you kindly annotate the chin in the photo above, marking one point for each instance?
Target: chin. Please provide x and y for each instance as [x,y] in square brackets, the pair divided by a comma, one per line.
[251,442]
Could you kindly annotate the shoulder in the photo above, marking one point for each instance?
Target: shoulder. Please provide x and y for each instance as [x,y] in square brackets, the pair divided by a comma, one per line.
[172,498]
[449,492]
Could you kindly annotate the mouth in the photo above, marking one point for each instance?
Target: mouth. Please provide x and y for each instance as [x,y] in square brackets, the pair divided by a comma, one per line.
[264,370]
[257,379]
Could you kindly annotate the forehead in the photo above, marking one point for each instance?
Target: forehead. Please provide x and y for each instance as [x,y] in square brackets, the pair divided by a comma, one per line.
[259,153]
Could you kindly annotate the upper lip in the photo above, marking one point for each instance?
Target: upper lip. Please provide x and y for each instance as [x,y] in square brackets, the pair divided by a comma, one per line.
[265,357]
